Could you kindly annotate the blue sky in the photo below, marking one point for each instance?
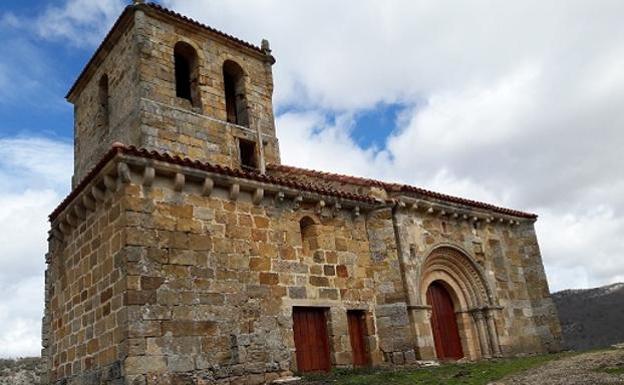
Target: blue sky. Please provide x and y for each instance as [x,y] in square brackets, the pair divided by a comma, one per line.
[517,104]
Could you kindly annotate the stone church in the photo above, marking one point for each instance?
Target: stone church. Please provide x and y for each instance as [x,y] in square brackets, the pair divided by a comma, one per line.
[186,253]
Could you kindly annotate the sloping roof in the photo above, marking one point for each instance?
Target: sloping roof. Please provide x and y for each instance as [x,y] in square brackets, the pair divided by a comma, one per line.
[196,23]
[204,166]
[397,188]
[129,10]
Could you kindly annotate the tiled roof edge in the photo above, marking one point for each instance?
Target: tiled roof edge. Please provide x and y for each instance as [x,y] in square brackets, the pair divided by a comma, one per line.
[205,166]
[395,187]
[187,19]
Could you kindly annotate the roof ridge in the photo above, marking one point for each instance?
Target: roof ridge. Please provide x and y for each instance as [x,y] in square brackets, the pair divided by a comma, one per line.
[202,25]
[399,187]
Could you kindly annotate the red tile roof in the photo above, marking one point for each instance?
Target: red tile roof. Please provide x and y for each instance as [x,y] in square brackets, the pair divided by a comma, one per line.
[186,162]
[395,187]
[187,19]
[158,8]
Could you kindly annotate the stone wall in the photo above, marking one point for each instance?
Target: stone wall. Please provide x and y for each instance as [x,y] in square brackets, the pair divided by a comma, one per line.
[508,260]
[143,108]
[84,325]
[92,137]
[212,283]
[172,124]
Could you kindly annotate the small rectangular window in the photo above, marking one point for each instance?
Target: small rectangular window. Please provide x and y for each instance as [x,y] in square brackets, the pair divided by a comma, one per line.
[247,151]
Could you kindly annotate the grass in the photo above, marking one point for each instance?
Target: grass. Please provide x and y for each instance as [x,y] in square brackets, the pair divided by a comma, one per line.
[619,370]
[479,373]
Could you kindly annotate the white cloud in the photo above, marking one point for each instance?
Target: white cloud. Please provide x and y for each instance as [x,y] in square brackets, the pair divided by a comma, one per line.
[514,103]
[81,22]
[35,174]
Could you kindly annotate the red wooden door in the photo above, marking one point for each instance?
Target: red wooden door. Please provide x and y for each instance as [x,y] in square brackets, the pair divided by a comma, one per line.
[444,323]
[311,341]
[357,331]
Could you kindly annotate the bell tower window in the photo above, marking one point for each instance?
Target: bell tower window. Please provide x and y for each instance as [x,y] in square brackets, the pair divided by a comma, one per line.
[247,151]
[235,98]
[103,109]
[186,66]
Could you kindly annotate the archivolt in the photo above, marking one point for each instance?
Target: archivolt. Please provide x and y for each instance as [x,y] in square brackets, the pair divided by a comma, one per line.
[454,267]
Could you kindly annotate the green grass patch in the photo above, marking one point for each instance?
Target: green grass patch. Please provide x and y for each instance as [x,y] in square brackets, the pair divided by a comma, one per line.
[613,370]
[479,373]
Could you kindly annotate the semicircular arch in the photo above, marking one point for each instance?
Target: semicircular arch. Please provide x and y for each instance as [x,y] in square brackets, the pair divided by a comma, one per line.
[453,266]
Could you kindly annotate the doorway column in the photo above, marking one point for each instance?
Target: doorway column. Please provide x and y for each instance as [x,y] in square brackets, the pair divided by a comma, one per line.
[479,319]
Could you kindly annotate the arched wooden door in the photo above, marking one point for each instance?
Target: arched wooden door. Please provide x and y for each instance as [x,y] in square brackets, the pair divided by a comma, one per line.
[444,323]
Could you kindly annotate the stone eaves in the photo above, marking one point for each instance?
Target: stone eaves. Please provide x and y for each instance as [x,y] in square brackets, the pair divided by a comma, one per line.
[398,189]
[131,151]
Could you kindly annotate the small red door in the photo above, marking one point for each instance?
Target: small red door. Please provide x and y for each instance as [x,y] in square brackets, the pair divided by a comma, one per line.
[311,341]
[444,323]
[357,331]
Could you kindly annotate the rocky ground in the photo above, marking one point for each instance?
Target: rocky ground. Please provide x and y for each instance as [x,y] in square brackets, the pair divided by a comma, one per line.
[594,368]
[23,371]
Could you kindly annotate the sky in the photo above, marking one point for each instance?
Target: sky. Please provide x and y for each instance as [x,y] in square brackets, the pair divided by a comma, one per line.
[520,104]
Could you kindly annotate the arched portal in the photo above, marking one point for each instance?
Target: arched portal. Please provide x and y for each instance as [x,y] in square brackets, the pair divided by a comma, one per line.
[449,277]
[444,322]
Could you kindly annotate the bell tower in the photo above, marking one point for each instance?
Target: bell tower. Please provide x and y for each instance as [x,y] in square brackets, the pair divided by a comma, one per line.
[164,82]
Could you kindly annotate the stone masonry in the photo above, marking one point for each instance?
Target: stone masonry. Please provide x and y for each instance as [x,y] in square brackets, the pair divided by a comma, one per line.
[173,261]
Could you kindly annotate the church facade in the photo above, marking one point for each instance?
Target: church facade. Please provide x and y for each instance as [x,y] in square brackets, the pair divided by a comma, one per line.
[186,252]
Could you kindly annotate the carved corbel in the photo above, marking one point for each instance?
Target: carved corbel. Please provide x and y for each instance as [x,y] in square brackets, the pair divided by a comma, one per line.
[178,181]
[79,212]
[69,218]
[149,173]
[319,207]
[297,202]
[88,203]
[257,197]
[234,191]
[356,211]
[123,172]
[97,194]
[279,197]
[207,187]
[56,233]
[65,229]
[336,208]
[110,183]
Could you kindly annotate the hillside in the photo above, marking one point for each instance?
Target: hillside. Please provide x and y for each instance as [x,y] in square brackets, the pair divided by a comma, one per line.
[22,371]
[591,318]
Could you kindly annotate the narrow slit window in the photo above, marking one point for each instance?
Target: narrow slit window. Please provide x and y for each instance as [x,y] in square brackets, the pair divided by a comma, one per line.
[103,110]
[306,225]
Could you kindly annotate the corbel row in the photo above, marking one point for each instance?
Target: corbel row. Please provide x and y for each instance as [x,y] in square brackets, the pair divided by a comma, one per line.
[88,200]
[143,171]
[456,213]
[323,205]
